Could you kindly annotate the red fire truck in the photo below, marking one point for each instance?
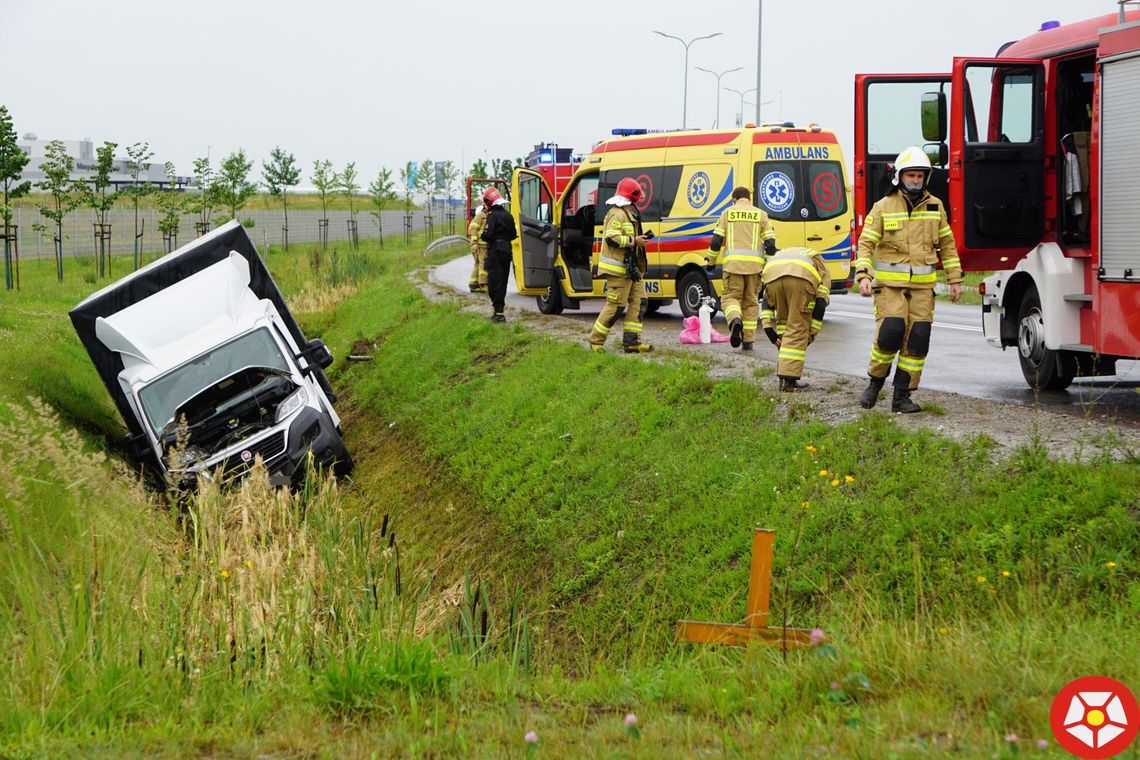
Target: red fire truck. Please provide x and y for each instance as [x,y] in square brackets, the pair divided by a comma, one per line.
[1036,155]
[556,165]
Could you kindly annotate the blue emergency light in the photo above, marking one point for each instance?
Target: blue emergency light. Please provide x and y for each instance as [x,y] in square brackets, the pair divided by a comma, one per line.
[545,157]
[627,132]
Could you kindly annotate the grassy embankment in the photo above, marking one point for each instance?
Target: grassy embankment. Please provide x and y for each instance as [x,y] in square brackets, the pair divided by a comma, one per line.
[258,202]
[613,495]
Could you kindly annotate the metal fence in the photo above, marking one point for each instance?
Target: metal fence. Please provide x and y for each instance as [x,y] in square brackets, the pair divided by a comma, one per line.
[304,227]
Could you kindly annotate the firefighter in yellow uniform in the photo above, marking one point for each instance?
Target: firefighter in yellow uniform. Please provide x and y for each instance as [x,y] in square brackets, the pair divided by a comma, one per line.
[477,283]
[904,237]
[623,263]
[741,230]
[797,288]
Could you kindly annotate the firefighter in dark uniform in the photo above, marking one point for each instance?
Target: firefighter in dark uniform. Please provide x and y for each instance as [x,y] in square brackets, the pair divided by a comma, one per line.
[623,263]
[904,237]
[498,233]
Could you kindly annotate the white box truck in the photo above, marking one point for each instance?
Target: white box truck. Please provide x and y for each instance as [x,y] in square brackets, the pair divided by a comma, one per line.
[208,368]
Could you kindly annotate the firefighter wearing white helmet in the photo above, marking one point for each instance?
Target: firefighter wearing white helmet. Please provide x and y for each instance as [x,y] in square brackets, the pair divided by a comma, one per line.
[623,263]
[477,283]
[904,237]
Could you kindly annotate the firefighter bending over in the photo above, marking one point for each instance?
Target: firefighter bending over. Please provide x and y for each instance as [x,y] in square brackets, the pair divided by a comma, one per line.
[623,263]
[477,283]
[797,288]
[498,234]
[904,237]
[741,230]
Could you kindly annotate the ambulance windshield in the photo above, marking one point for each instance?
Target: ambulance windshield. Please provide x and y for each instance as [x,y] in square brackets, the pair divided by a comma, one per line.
[801,191]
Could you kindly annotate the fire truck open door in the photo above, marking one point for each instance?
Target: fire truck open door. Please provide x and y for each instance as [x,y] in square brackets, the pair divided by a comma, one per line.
[997,160]
[532,205]
[893,112]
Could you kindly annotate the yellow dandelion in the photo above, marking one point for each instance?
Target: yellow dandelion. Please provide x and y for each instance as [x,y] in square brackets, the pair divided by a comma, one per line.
[1110,565]
[810,448]
[806,505]
[849,478]
[1004,573]
[981,579]
[225,574]
[823,473]
[249,564]
[835,482]
[943,630]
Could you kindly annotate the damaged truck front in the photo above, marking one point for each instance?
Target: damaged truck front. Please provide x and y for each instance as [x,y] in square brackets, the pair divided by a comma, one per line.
[208,368]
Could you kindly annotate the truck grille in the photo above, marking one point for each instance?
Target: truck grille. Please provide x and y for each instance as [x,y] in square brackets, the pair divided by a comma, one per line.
[268,447]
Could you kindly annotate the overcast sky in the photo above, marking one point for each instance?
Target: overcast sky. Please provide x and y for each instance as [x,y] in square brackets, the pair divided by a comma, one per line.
[382,83]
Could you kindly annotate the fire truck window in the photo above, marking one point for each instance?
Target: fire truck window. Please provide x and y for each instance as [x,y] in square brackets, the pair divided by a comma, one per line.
[534,200]
[1001,104]
[894,115]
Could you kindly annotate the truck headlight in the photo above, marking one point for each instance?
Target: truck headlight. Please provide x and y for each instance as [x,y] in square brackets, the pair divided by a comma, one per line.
[291,404]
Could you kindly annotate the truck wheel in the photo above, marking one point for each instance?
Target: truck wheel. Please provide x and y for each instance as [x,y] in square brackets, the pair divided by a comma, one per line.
[1044,368]
[693,289]
[551,302]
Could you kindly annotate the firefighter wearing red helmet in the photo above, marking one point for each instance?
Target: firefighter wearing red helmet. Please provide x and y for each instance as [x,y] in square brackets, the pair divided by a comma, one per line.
[904,237]
[742,230]
[623,263]
[497,234]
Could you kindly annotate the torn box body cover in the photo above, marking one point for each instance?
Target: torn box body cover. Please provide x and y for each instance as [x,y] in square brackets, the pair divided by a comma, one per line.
[207,250]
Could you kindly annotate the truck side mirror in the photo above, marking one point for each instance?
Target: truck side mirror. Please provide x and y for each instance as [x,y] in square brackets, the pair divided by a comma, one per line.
[938,153]
[933,112]
[317,354]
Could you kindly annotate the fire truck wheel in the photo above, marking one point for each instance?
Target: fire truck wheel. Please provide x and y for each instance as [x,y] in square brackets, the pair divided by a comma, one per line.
[551,301]
[1044,369]
[691,290]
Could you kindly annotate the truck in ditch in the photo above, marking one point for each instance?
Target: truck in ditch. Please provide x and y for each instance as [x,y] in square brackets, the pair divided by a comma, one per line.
[208,368]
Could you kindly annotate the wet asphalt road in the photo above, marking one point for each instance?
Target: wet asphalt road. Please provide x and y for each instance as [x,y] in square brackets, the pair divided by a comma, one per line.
[960,361]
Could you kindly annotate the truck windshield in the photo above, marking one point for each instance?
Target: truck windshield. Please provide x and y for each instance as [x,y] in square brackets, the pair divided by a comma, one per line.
[162,397]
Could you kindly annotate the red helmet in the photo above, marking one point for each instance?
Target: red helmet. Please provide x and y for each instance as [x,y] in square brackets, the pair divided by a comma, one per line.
[630,189]
[490,196]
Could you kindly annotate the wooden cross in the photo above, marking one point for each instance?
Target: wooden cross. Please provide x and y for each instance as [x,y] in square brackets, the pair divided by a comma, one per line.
[755,626]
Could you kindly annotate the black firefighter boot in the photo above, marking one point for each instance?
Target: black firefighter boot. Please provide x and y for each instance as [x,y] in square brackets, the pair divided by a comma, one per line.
[736,328]
[871,394]
[792,384]
[902,402]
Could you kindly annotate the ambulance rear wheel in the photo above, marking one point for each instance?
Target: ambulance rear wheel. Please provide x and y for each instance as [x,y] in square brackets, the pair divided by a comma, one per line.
[551,301]
[693,288]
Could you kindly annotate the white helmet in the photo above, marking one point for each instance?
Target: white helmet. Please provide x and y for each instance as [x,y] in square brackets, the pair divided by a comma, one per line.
[912,158]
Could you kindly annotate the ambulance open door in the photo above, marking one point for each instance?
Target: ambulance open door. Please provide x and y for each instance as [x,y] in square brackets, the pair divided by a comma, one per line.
[534,252]
[997,160]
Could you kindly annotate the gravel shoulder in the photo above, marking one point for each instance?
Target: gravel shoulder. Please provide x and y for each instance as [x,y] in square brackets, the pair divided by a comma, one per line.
[1077,434]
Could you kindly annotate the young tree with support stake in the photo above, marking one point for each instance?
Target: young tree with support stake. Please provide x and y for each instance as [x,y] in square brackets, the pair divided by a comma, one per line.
[234,187]
[170,204]
[202,204]
[425,184]
[326,181]
[96,196]
[381,191]
[281,173]
[350,187]
[408,177]
[138,163]
[447,176]
[12,163]
[57,168]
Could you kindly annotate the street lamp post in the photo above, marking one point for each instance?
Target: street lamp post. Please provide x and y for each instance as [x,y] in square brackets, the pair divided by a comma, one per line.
[718,76]
[741,93]
[685,101]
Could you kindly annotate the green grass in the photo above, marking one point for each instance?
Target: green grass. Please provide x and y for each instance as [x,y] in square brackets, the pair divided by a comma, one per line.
[597,497]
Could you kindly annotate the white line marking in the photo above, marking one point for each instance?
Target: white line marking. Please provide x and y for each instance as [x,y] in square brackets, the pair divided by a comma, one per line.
[967,328]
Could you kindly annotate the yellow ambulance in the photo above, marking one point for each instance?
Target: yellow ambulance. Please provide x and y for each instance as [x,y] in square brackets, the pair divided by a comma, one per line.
[796,175]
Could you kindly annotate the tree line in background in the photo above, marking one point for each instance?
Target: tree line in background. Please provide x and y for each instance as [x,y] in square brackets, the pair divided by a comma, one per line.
[227,189]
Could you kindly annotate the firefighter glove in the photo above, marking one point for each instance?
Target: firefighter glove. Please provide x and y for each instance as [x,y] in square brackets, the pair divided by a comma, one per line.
[771,333]
[769,247]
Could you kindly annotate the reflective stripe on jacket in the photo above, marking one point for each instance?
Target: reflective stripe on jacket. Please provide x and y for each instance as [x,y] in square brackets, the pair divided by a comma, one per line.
[475,228]
[803,263]
[618,231]
[901,245]
[743,228]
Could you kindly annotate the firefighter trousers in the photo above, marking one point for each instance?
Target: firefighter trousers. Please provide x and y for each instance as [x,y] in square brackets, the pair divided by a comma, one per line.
[903,318]
[498,265]
[624,297]
[741,300]
[478,270]
[792,299]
